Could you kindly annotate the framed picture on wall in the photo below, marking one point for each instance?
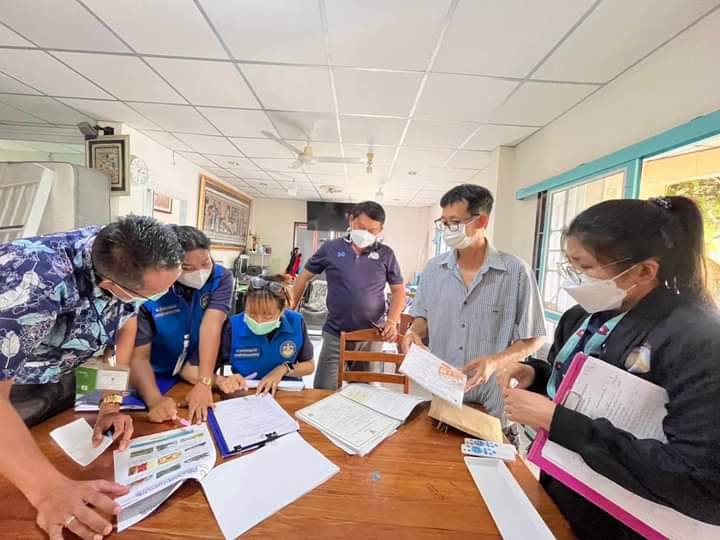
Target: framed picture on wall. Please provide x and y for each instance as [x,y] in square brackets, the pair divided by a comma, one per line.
[162,203]
[223,214]
[111,155]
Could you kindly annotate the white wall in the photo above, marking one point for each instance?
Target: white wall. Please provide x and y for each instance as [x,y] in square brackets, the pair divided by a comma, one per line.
[274,221]
[672,86]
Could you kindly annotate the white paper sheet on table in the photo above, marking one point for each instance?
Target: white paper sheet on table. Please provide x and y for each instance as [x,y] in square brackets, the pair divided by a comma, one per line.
[392,404]
[434,375]
[75,439]
[289,386]
[245,491]
[512,511]
[247,420]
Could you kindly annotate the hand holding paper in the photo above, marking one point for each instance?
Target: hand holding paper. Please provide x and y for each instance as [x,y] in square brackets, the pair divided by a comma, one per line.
[76,440]
[435,375]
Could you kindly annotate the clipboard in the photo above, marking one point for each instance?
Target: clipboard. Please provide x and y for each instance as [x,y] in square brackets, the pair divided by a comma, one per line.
[225,449]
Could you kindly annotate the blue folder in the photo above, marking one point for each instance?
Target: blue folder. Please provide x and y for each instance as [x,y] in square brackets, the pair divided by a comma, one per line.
[131,402]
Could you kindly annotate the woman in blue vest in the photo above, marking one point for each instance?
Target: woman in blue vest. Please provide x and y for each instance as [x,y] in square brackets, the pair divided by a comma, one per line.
[637,270]
[268,341]
[179,334]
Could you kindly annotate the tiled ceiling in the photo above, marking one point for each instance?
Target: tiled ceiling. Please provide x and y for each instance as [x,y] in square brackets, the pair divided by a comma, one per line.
[431,87]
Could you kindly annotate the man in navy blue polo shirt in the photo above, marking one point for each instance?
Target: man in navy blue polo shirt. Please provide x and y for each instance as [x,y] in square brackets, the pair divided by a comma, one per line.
[357,267]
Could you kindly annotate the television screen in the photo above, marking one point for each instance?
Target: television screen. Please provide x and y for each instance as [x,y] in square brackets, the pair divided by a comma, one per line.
[326,216]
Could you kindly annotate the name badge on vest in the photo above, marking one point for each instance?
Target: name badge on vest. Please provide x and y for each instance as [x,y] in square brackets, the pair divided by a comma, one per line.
[248,352]
[183,355]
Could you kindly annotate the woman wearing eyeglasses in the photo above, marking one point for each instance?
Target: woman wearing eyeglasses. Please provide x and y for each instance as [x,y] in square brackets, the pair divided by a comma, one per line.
[267,341]
[179,334]
[637,270]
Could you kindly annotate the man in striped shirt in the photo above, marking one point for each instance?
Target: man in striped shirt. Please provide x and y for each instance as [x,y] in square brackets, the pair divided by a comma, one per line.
[479,307]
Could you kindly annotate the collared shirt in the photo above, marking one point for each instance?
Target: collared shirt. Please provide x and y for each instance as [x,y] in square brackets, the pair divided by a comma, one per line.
[501,306]
[355,283]
[53,316]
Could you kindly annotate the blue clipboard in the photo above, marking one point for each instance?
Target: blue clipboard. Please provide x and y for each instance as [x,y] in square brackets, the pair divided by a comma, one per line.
[227,451]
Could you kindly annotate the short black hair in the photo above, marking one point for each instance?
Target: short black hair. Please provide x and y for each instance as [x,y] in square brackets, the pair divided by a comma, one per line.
[478,198]
[191,238]
[127,248]
[371,209]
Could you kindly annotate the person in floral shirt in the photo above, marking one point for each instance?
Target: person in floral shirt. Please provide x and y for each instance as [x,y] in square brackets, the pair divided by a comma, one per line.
[64,298]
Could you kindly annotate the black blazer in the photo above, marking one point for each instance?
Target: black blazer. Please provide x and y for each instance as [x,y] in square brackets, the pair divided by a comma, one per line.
[684,341]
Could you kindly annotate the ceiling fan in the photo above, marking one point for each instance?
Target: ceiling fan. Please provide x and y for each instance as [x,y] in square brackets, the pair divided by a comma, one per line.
[307,157]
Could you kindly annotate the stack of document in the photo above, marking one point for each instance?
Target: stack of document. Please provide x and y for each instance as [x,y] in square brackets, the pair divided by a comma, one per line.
[359,417]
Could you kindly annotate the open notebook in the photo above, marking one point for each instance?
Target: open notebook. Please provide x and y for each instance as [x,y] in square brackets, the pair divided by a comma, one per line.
[600,390]
[359,417]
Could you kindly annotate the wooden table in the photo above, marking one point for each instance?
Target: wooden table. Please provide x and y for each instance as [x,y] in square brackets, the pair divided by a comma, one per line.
[421,489]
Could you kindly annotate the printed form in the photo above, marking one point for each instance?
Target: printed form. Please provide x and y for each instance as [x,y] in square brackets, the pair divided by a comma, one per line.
[435,375]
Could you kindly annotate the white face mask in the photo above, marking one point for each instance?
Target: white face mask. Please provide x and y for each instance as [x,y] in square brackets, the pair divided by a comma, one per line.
[457,239]
[195,279]
[595,295]
[362,238]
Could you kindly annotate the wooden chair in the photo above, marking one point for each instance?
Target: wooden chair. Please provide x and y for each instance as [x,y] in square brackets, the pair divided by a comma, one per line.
[368,356]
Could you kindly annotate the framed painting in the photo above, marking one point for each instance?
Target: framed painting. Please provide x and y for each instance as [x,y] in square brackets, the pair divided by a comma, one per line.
[111,155]
[223,214]
[162,203]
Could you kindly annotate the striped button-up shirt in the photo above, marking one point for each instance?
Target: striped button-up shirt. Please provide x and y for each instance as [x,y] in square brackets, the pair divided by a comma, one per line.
[501,305]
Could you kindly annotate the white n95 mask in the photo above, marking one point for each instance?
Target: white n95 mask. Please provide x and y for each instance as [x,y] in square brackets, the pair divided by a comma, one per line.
[457,239]
[595,295]
[196,279]
[361,238]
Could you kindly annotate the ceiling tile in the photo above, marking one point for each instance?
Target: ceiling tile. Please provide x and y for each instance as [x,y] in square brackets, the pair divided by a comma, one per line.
[617,34]
[110,111]
[470,159]
[270,30]
[151,27]
[462,97]
[376,92]
[176,118]
[59,24]
[438,134]
[262,148]
[275,164]
[218,171]
[46,108]
[237,122]
[382,154]
[229,162]
[369,130]
[197,159]
[305,126]
[10,38]
[127,77]
[168,140]
[489,137]
[360,171]
[208,144]
[417,157]
[401,34]
[8,84]
[519,34]
[291,88]
[204,82]
[41,71]
[448,174]
[538,103]
[257,179]
[332,169]
[13,115]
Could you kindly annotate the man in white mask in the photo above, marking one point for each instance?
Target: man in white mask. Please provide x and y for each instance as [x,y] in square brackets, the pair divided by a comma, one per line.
[357,268]
[479,308]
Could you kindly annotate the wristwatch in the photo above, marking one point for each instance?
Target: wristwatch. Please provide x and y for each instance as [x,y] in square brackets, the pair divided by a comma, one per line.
[114,399]
[207,381]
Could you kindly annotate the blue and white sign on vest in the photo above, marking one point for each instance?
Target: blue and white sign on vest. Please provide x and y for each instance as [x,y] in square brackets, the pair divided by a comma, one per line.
[177,324]
[251,353]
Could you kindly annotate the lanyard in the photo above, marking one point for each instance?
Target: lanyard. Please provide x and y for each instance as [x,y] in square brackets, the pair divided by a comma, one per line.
[570,349]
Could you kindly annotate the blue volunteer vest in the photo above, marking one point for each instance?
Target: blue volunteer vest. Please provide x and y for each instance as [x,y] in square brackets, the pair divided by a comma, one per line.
[177,323]
[251,353]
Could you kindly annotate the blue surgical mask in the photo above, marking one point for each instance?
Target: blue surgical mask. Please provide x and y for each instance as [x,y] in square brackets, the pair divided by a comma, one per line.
[261,328]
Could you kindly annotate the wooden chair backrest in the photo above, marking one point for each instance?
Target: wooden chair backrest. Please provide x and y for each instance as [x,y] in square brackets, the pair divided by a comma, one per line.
[346,356]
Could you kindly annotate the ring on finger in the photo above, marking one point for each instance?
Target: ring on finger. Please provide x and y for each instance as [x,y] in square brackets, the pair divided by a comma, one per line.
[68,521]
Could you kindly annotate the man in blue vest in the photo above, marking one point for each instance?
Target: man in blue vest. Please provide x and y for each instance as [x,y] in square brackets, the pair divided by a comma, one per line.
[179,334]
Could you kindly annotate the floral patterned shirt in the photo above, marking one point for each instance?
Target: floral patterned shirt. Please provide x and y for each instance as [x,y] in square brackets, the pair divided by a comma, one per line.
[53,316]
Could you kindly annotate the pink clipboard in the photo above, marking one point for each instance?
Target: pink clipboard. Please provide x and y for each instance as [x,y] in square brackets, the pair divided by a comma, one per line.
[535,455]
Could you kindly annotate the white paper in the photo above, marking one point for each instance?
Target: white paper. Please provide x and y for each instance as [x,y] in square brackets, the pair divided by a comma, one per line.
[135,513]
[434,375]
[290,386]
[155,463]
[602,390]
[247,420]
[75,439]
[352,424]
[667,521]
[247,490]
[512,511]
[392,404]
[112,379]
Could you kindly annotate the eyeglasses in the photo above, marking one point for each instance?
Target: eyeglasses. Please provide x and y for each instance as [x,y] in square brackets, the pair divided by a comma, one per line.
[567,270]
[275,287]
[452,226]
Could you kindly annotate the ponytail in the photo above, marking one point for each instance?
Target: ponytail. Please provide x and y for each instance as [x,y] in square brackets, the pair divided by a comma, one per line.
[668,229]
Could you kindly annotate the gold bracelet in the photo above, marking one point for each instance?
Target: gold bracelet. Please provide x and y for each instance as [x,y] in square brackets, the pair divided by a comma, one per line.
[112,399]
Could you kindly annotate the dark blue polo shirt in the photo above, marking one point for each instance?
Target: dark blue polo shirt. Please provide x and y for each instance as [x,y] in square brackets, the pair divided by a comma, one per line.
[356,284]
